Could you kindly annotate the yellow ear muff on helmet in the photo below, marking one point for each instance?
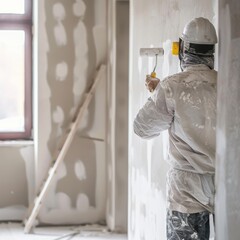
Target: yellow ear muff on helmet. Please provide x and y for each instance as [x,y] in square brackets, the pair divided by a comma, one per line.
[175,48]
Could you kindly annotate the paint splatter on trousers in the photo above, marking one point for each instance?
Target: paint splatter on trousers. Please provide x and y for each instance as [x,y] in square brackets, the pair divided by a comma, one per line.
[183,226]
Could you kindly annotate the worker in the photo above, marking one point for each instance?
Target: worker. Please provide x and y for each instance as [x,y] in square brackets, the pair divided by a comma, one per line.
[185,105]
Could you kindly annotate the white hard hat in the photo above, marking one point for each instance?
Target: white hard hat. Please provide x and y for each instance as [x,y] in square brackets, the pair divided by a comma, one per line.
[199,31]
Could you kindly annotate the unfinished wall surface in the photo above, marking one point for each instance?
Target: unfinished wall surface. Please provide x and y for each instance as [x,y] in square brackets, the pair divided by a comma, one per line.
[69,45]
[228,135]
[72,45]
[121,131]
[17,180]
[154,24]
[117,120]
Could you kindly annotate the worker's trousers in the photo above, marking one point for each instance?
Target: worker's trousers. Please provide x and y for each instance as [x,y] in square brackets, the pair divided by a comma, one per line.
[187,226]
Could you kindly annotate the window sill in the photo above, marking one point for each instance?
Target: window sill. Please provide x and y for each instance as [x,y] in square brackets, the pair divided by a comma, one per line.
[16,143]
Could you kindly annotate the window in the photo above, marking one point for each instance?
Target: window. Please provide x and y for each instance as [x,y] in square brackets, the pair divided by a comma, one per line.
[15,69]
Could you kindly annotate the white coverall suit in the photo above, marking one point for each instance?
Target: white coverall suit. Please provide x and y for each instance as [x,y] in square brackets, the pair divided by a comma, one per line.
[185,104]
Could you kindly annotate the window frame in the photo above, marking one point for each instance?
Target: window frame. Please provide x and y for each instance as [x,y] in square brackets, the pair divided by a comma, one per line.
[22,22]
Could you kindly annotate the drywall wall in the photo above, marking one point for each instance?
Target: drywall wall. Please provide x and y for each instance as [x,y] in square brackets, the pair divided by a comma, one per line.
[117,120]
[69,45]
[17,180]
[121,130]
[228,125]
[72,45]
[154,24]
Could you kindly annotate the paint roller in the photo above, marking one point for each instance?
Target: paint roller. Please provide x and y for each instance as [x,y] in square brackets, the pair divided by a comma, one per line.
[155,52]
[152,52]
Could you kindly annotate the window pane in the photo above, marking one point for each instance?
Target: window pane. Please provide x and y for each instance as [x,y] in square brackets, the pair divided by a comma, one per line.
[12,80]
[12,6]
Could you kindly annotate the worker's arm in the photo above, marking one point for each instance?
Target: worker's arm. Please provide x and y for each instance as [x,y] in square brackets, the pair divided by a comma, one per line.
[156,115]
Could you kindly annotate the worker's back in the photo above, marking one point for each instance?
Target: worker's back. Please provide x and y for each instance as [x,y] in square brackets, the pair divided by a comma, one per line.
[185,104]
[191,95]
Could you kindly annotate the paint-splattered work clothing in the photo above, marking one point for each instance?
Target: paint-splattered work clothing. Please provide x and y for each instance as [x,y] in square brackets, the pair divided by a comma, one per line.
[185,104]
[183,226]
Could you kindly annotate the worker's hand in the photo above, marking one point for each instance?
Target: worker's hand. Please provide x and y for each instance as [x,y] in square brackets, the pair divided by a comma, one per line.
[151,83]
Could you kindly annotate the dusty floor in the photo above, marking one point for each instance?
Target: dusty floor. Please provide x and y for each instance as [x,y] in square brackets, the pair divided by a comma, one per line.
[14,231]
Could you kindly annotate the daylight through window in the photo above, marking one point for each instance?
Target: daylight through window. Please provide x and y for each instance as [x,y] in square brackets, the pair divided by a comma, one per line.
[15,69]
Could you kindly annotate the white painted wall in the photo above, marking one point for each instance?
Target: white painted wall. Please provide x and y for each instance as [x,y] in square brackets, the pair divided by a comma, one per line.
[228,125]
[153,24]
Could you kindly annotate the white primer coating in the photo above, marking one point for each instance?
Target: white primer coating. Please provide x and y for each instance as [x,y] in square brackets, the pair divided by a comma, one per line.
[58,118]
[79,8]
[59,11]
[59,30]
[228,125]
[63,201]
[58,115]
[80,170]
[60,35]
[81,53]
[61,71]
[83,202]
[62,171]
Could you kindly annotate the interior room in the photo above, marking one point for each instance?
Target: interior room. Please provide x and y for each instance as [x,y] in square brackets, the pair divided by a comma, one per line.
[73,80]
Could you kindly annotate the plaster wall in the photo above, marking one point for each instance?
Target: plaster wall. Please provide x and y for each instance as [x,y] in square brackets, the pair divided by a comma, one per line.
[17,180]
[121,130]
[228,124]
[154,24]
[117,120]
[69,46]
[72,45]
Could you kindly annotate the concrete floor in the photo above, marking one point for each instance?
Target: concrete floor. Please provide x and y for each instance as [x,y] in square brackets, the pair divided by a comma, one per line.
[14,231]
